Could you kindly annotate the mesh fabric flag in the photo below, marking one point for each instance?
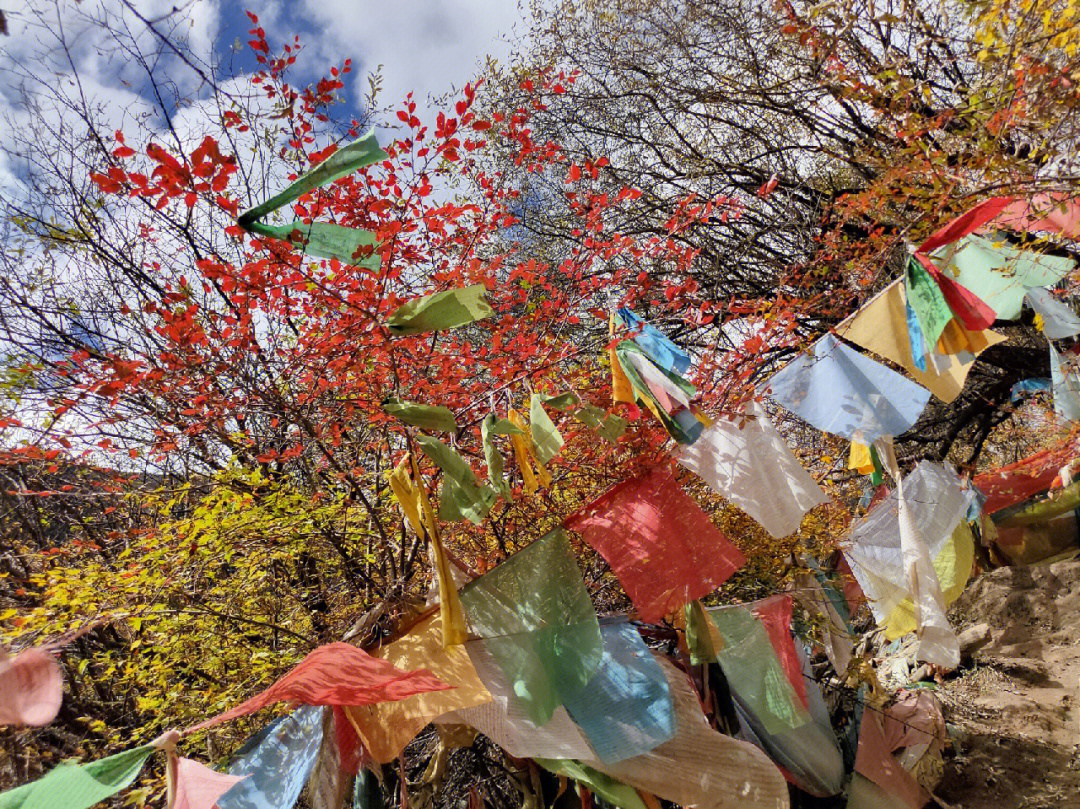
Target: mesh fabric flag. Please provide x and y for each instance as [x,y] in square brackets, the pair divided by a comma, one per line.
[79,786]
[336,674]
[626,708]
[31,688]
[926,300]
[506,721]
[199,787]
[278,761]
[839,391]
[440,311]
[1059,321]
[747,462]
[426,417]
[659,543]
[538,622]
[462,496]
[386,728]
[655,344]
[698,767]
[754,672]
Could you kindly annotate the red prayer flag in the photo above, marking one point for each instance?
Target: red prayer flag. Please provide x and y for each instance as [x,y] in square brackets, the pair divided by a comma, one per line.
[966,223]
[337,674]
[775,614]
[659,543]
[875,760]
[971,310]
[1036,474]
[31,688]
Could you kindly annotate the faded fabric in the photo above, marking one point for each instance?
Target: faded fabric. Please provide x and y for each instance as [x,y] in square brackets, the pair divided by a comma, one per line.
[836,636]
[199,787]
[655,344]
[971,310]
[79,786]
[774,613]
[915,336]
[546,438]
[326,240]
[698,767]
[657,540]
[426,417]
[31,688]
[603,786]
[1000,275]
[538,622]
[1047,213]
[1065,381]
[703,639]
[747,462]
[441,311]
[462,497]
[490,428]
[387,727]
[1059,320]
[278,759]
[666,394]
[874,759]
[625,709]
[754,672]
[525,456]
[621,389]
[336,674]
[1014,483]
[606,425]
[506,721]
[840,391]
[925,298]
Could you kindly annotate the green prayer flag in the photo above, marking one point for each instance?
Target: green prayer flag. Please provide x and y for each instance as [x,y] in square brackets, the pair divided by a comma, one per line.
[79,786]
[538,622]
[641,390]
[607,425]
[462,496]
[603,786]
[563,401]
[754,672]
[442,310]
[926,299]
[488,430]
[325,240]
[426,417]
[546,438]
[361,152]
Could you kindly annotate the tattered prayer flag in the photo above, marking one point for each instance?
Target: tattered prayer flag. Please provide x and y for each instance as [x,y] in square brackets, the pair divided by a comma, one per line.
[880,326]
[278,759]
[607,425]
[79,786]
[31,688]
[538,622]
[840,391]
[386,728]
[1059,320]
[665,394]
[326,240]
[659,543]
[361,152]
[490,428]
[875,761]
[1000,274]
[462,497]
[546,438]
[199,787]
[526,458]
[836,635]
[655,344]
[426,417]
[621,389]
[700,768]
[336,674]
[754,672]
[924,296]
[702,637]
[1065,381]
[748,462]
[440,311]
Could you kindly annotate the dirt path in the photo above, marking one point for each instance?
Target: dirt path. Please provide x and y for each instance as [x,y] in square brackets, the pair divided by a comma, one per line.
[1016,712]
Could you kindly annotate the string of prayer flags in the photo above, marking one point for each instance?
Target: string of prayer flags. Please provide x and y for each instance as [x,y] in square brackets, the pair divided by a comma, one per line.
[658,541]
[505,720]
[999,274]
[538,622]
[625,709]
[278,759]
[840,391]
[925,298]
[31,688]
[79,786]
[699,768]
[747,462]
[490,428]
[1058,320]
[361,152]
[666,395]
[462,496]
[546,438]
[199,787]
[441,311]
[656,345]
[426,417]
[891,551]
[880,326]
[386,728]
[526,458]
[1065,383]
[335,674]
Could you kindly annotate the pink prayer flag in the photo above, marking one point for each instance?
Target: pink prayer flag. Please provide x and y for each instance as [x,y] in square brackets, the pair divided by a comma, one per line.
[659,543]
[1050,213]
[31,689]
[875,760]
[775,614]
[337,674]
[199,787]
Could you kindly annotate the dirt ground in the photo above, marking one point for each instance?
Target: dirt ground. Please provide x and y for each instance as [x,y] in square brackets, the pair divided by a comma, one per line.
[1014,715]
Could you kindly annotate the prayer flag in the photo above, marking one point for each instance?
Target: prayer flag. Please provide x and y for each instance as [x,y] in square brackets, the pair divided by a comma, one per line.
[31,688]
[79,786]
[199,787]
[440,311]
